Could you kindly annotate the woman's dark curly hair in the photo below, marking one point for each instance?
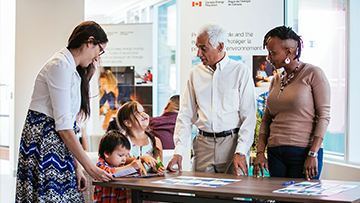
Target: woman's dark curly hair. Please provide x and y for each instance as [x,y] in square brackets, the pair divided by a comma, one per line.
[284,33]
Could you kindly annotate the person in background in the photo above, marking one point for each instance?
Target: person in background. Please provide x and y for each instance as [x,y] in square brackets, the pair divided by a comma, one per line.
[113,150]
[164,125]
[49,154]
[297,112]
[150,76]
[111,91]
[147,76]
[133,120]
[108,82]
[220,100]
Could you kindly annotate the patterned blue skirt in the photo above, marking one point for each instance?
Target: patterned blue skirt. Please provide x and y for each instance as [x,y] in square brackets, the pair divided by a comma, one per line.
[45,168]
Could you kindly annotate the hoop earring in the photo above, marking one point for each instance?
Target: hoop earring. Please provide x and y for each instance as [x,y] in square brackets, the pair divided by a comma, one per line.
[287,60]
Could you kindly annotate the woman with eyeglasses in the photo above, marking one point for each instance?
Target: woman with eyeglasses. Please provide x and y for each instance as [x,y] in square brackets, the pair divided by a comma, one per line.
[50,154]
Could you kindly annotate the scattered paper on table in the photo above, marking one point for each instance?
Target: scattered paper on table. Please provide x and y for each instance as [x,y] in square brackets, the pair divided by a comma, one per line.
[197,181]
[314,188]
[125,172]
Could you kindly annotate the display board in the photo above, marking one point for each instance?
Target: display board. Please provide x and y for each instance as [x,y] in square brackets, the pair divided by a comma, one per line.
[246,22]
[128,58]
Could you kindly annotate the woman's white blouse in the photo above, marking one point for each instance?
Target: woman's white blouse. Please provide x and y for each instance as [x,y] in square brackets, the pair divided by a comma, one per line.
[57,90]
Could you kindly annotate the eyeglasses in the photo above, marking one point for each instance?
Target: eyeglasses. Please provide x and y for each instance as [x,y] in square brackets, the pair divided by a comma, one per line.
[102,51]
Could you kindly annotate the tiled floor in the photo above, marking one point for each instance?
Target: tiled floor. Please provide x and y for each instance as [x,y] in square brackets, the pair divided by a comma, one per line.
[7,183]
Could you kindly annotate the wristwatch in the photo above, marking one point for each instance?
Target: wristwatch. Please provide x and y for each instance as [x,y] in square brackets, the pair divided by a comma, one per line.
[312,154]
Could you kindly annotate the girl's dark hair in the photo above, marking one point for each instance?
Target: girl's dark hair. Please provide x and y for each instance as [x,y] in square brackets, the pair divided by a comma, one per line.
[80,35]
[110,141]
[284,33]
[127,112]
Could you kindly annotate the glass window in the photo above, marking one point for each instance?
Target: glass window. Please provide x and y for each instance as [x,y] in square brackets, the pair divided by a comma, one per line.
[166,54]
[144,17]
[134,17]
[324,46]
[353,96]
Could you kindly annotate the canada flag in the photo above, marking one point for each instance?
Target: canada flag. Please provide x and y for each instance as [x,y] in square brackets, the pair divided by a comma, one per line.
[194,3]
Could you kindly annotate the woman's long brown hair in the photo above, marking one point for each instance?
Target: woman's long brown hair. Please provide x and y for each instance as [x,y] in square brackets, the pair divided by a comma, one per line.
[79,36]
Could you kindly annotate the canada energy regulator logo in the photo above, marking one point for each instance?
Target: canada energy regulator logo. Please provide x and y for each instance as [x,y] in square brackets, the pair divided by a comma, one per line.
[219,3]
[196,3]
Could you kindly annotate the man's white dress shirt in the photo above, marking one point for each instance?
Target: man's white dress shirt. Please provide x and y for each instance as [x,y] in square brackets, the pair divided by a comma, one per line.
[217,101]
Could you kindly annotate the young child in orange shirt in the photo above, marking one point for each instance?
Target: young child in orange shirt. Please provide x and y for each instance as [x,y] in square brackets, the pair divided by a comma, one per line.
[113,149]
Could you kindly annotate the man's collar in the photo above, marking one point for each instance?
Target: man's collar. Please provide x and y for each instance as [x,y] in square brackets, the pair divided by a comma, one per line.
[221,64]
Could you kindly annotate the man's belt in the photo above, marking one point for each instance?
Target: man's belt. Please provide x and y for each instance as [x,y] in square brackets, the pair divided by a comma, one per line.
[220,134]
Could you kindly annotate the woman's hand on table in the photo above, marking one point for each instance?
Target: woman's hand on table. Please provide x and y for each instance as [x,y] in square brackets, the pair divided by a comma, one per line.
[80,179]
[260,164]
[99,174]
[310,167]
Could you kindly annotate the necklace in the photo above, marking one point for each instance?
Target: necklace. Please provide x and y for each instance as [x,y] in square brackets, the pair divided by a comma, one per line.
[291,75]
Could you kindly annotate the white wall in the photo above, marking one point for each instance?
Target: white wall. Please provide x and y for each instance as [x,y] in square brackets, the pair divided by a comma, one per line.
[338,171]
[42,28]
[7,63]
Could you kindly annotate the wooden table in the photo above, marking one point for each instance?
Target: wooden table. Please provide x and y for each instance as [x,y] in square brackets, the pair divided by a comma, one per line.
[248,187]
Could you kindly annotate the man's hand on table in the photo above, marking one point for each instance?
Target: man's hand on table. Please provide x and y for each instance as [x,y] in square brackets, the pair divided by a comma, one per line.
[239,161]
[176,159]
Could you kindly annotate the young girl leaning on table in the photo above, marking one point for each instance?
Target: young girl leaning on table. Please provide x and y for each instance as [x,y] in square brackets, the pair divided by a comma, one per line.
[133,120]
[113,150]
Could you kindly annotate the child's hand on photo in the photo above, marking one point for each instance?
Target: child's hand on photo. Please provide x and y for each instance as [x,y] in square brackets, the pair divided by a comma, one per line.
[148,160]
[139,167]
[161,170]
[136,164]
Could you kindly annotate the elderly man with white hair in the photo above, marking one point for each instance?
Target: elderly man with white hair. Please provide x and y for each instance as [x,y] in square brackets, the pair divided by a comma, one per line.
[220,100]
